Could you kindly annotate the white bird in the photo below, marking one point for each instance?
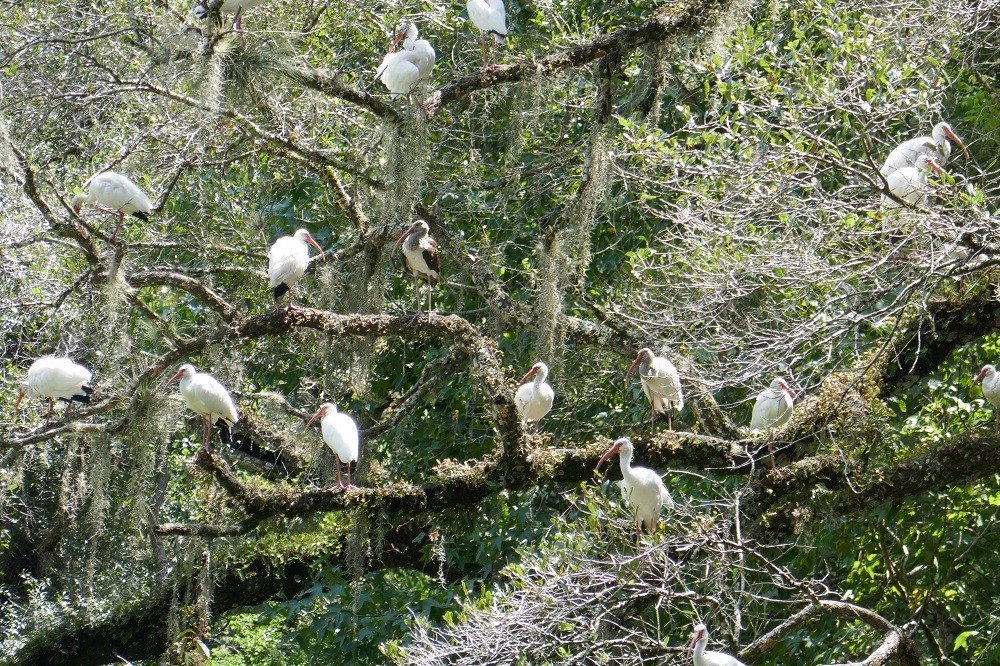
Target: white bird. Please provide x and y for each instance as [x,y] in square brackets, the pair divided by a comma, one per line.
[642,488]
[534,400]
[209,399]
[111,192]
[910,183]
[710,658]
[936,146]
[660,382]
[401,70]
[230,7]
[56,378]
[490,16]
[287,261]
[774,406]
[340,433]
[991,386]
[421,256]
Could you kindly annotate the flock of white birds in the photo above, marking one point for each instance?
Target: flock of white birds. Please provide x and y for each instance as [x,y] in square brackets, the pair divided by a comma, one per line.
[59,378]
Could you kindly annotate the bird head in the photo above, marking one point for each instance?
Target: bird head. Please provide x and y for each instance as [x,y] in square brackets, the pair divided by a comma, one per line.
[779,384]
[644,354]
[622,446]
[925,162]
[405,30]
[323,410]
[417,226]
[185,370]
[538,368]
[987,371]
[700,634]
[304,236]
[946,131]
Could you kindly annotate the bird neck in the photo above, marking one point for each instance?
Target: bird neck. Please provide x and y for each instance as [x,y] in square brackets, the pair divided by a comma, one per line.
[540,378]
[625,462]
[699,652]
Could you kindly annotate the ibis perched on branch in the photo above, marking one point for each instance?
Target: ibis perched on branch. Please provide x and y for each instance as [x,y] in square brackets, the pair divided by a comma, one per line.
[229,7]
[490,16]
[710,658]
[660,382]
[774,406]
[210,400]
[420,252]
[56,378]
[935,146]
[340,433]
[534,400]
[642,488]
[401,70]
[287,261]
[990,382]
[111,192]
[910,183]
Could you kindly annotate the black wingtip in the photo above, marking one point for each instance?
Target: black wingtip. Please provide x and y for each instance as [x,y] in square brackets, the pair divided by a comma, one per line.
[85,398]
[142,216]
[279,291]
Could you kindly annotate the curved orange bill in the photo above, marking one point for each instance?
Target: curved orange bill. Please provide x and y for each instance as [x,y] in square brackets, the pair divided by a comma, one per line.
[316,416]
[20,397]
[312,241]
[528,375]
[612,451]
[979,378]
[174,378]
[632,367]
[954,137]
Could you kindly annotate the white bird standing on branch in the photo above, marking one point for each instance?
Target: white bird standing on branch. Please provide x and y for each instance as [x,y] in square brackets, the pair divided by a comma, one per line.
[990,382]
[774,406]
[340,433]
[910,183]
[229,7]
[56,378]
[935,146]
[210,400]
[642,488]
[421,256]
[710,658]
[490,16]
[401,70]
[287,261]
[111,192]
[534,400]
[660,382]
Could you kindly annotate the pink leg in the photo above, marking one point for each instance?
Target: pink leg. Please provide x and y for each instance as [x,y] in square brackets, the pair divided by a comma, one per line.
[206,434]
[340,483]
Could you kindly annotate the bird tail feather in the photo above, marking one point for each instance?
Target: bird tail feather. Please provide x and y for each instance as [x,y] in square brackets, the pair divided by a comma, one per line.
[279,291]
[85,398]
[142,216]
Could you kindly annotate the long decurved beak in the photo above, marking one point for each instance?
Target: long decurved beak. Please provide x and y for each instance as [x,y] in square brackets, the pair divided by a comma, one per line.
[632,367]
[174,378]
[20,397]
[320,412]
[409,230]
[954,137]
[791,394]
[979,378]
[528,375]
[396,41]
[607,456]
[312,241]
[936,167]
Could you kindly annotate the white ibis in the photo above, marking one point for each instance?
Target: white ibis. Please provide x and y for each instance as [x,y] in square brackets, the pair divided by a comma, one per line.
[401,70]
[490,17]
[642,488]
[209,399]
[56,378]
[111,192]
[774,406]
[340,433]
[534,400]
[287,261]
[421,256]
[709,658]
[660,382]
[936,146]
[910,183]
[991,386]
[230,7]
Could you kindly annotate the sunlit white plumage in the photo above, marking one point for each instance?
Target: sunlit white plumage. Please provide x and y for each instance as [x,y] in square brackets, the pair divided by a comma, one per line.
[642,488]
[709,658]
[534,400]
[206,397]
[660,382]
[990,381]
[936,146]
[774,406]
[287,261]
[490,16]
[420,254]
[112,192]
[340,433]
[910,183]
[56,378]
[237,7]
[401,70]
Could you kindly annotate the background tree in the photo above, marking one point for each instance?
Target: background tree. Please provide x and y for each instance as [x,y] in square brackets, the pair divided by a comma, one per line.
[696,177]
